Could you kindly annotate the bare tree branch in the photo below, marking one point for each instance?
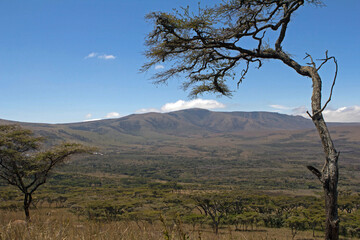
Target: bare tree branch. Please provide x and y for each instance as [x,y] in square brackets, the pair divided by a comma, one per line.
[333,84]
[316,172]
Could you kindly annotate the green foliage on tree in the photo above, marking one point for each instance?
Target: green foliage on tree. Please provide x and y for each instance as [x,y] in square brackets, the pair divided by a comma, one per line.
[24,165]
[207,45]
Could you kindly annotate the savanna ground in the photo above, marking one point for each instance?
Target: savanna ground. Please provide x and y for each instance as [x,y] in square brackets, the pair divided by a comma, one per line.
[163,210]
[260,178]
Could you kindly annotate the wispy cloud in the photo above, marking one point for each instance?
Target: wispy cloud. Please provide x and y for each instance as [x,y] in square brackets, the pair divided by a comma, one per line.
[159,66]
[91,55]
[106,57]
[181,105]
[100,56]
[146,110]
[279,107]
[112,115]
[297,111]
[300,111]
[89,117]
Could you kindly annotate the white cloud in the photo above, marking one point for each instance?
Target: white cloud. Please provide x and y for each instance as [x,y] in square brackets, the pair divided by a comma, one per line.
[102,56]
[197,103]
[112,115]
[181,105]
[343,114]
[109,115]
[279,107]
[93,119]
[89,118]
[106,57]
[300,111]
[91,55]
[297,111]
[146,110]
[159,66]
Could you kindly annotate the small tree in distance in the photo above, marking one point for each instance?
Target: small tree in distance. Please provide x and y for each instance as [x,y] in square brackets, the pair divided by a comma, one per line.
[24,166]
[209,47]
[215,207]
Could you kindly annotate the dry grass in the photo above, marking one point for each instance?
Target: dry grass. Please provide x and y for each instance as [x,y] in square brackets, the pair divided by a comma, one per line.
[59,224]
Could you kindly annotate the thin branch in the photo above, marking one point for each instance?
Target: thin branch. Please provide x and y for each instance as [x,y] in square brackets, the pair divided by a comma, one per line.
[312,63]
[38,185]
[316,172]
[243,73]
[8,180]
[324,60]
[260,41]
[333,84]
[283,29]
[309,114]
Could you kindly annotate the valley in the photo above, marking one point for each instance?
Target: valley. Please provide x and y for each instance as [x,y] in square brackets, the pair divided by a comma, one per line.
[151,165]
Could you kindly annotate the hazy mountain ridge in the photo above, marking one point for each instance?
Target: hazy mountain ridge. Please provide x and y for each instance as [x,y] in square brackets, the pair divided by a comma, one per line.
[184,123]
[197,121]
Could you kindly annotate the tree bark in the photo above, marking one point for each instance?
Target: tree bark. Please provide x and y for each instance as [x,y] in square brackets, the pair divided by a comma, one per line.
[27,202]
[216,228]
[330,172]
[313,230]
[329,179]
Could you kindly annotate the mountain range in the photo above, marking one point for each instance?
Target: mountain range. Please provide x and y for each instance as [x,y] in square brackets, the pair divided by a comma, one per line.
[182,123]
[136,128]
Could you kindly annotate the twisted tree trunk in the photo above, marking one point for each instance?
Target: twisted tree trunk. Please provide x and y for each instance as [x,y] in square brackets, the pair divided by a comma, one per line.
[329,174]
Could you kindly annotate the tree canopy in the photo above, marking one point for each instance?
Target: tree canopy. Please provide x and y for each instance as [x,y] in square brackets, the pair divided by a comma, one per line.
[216,43]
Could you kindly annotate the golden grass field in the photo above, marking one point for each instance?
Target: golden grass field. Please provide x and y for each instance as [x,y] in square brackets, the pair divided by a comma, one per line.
[59,224]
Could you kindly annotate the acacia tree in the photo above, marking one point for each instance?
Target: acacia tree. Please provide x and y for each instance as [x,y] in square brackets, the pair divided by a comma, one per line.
[24,166]
[221,42]
[216,208]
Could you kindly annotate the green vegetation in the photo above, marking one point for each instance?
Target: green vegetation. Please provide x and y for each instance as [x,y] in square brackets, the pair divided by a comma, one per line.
[180,210]
[273,160]
[154,187]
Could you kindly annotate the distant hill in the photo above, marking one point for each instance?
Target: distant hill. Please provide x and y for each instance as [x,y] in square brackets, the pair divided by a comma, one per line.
[194,121]
[185,123]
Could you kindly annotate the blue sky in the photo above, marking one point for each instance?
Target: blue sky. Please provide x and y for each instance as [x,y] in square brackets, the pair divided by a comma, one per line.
[75,60]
